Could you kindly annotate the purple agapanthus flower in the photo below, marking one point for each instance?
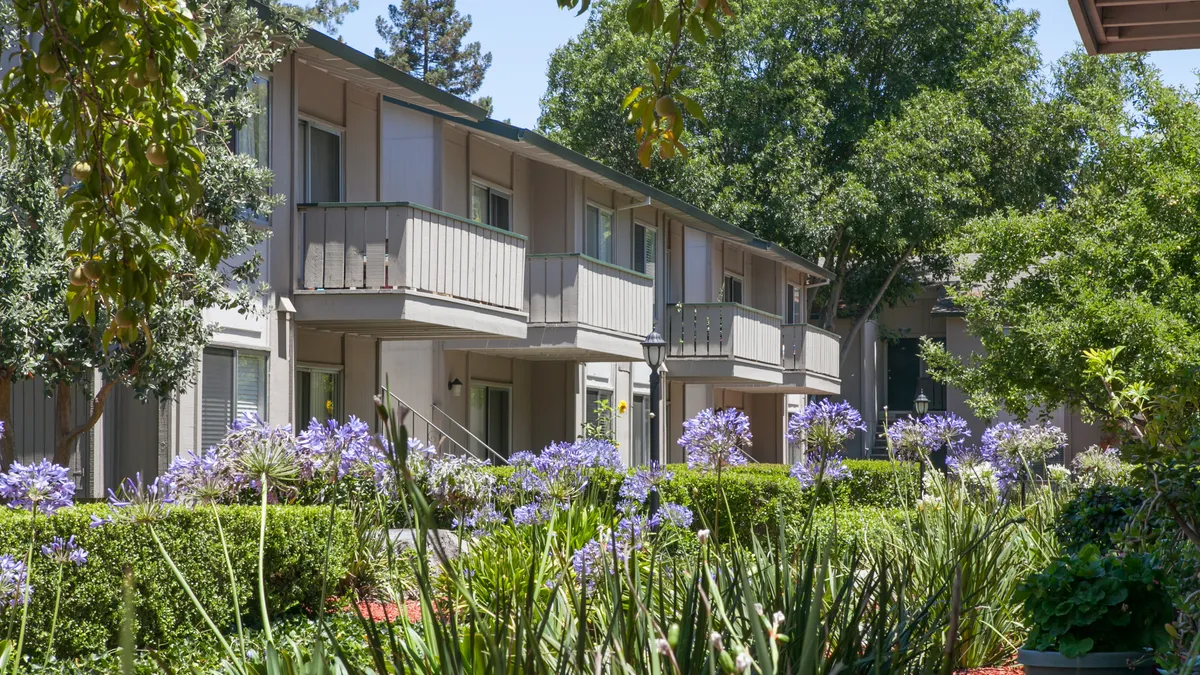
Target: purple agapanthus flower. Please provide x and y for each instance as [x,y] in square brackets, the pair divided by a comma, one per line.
[137,503]
[817,466]
[205,478]
[676,515]
[65,551]
[1010,447]
[716,439]
[480,520]
[14,582]
[533,513]
[914,440]
[596,453]
[588,563]
[44,487]
[825,425]
[558,473]
[638,485]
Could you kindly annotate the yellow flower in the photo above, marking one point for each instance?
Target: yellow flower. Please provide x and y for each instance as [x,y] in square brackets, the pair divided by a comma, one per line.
[329,407]
[622,407]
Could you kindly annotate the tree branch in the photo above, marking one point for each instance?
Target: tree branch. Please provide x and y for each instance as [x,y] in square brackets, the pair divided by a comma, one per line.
[97,410]
[870,309]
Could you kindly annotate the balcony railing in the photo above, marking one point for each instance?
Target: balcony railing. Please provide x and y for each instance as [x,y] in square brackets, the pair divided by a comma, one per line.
[723,330]
[811,349]
[403,246]
[567,288]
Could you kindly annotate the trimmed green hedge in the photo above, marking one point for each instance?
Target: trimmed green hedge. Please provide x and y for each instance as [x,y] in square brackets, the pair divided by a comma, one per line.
[90,615]
[755,493]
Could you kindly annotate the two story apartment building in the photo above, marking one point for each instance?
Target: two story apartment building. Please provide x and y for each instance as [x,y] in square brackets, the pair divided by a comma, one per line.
[493,282]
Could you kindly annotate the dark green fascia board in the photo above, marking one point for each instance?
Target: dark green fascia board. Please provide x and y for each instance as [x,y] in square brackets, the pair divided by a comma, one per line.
[376,67]
[520,135]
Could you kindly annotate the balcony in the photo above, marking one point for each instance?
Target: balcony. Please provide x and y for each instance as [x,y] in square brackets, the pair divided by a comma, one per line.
[723,343]
[811,360]
[580,309]
[400,270]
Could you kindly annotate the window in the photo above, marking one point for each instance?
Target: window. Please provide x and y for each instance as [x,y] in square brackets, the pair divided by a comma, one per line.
[254,137]
[491,419]
[645,248]
[733,289]
[234,382]
[597,233]
[490,206]
[794,314]
[640,452]
[321,163]
[594,397]
[318,395]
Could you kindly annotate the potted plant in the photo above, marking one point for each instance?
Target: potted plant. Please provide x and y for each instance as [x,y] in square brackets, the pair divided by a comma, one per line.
[1095,614]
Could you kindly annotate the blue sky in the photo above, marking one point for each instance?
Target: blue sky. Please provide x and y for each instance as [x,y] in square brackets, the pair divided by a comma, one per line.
[521,34]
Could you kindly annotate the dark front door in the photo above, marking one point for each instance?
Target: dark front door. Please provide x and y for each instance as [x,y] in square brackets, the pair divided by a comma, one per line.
[903,373]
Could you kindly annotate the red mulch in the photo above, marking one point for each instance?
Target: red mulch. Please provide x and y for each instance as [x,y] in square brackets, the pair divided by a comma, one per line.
[388,611]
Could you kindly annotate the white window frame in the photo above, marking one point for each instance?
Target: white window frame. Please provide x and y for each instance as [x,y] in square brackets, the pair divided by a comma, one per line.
[306,177]
[492,385]
[491,187]
[725,287]
[633,247]
[324,369]
[793,297]
[612,221]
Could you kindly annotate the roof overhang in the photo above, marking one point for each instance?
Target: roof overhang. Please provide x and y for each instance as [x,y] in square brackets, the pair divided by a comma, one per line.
[1117,26]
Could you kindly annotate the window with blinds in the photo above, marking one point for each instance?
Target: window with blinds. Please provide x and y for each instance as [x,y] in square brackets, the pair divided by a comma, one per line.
[640,452]
[733,289]
[321,160]
[645,248]
[233,382]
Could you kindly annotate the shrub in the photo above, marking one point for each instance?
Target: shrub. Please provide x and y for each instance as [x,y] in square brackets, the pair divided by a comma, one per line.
[90,615]
[756,492]
[1088,602]
[1095,514]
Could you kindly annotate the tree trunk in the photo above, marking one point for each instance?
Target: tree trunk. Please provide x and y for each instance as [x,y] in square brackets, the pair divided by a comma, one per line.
[62,424]
[7,445]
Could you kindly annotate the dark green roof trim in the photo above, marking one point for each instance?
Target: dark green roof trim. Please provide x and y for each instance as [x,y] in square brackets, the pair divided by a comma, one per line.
[379,68]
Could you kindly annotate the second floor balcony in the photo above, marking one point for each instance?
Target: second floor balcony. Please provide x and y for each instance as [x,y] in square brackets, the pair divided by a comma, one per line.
[811,360]
[401,270]
[723,343]
[580,309]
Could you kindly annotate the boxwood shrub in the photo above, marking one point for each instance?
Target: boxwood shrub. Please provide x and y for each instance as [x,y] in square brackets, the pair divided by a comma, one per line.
[756,493]
[91,611]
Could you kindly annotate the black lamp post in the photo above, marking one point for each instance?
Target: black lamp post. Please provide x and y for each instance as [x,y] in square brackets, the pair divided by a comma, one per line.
[654,347]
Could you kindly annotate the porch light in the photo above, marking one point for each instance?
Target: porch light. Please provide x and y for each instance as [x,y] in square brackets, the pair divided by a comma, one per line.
[655,349]
[455,387]
[921,404]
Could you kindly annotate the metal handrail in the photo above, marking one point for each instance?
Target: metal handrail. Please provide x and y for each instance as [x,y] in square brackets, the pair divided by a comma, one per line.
[429,424]
[467,431]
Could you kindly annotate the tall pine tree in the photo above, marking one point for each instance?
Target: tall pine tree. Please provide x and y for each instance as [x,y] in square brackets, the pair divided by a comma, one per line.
[425,39]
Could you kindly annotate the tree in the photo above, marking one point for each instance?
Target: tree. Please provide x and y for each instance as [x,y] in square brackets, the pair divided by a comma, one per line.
[44,337]
[1115,263]
[425,39]
[858,134]
[325,14]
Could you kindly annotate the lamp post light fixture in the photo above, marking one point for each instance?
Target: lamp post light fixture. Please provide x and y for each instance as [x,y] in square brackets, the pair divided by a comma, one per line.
[654,347]
[921,404]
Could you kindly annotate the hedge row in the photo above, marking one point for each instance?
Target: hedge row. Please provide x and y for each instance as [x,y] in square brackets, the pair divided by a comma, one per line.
[91,611]
[757,494]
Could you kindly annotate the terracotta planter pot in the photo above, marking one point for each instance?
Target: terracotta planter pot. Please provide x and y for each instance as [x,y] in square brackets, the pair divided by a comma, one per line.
[1096,663]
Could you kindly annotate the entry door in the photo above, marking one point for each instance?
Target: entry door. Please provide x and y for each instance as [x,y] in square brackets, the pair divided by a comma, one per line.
[906,376]
[491,419]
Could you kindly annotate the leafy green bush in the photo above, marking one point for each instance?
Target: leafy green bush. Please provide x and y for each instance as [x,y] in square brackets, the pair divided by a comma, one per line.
[1095,514]
[90,615]
[755,493]
[1088,602]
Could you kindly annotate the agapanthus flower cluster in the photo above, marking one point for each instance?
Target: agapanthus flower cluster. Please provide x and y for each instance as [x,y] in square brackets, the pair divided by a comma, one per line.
[43,488]
[331,451]
[559,472]
[975,471]
[137,503]
[609,551]
[915,439]
[817,467]
[1010,447]
[637,486]
[458,483]
[480,520]
[716,439]
[259,451]
[14,582]
[65,551]
[204,478]
[534,513]
[1101,466]
[672,514]
[826,425]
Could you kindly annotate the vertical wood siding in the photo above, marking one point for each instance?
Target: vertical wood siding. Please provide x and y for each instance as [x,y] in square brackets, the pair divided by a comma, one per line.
[811,349]
[573,288]
[724,330]
[33,426]
[408,247]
